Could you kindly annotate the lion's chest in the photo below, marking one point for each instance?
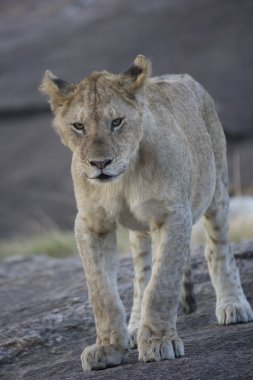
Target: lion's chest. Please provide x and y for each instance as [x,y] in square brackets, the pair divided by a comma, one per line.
[129,220]
[139,215]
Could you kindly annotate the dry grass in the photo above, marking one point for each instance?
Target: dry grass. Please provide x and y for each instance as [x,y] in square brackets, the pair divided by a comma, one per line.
[53,243]
[240,228]
[240,222]
[57,243]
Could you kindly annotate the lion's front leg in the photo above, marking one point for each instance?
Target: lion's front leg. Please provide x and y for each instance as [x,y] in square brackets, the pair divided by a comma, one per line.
[157,337]
[96,246]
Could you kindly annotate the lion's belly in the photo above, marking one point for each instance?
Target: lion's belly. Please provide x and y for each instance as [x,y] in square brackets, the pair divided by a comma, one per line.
[204,181]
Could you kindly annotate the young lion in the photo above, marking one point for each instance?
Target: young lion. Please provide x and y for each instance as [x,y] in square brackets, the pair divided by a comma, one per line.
[149,153]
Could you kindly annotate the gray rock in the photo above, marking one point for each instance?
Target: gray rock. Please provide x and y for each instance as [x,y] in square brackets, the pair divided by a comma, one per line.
[46,321]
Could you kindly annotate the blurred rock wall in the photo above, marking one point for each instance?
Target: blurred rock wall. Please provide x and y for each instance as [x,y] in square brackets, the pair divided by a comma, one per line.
[209,39]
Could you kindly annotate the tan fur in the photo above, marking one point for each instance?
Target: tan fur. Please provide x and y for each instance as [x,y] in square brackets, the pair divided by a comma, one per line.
[167,167]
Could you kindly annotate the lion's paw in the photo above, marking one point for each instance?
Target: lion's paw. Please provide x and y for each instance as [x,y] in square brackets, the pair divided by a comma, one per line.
[133,338]
[232,313]
[157,349]
[100,357]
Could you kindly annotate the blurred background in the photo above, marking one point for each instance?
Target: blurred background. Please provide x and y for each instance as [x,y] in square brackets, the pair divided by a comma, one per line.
[209,39]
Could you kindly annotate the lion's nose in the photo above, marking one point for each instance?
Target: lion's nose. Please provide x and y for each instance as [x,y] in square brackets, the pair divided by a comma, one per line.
[101,164]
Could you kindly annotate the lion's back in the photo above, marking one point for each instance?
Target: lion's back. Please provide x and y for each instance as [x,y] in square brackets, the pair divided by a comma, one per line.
[192,112]
[190,100]
[183,88]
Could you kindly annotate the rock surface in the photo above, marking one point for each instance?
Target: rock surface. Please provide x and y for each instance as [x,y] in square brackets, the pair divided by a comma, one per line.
[46,321]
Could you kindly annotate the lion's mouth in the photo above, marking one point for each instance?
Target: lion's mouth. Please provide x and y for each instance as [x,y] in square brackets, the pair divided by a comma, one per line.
[105,177]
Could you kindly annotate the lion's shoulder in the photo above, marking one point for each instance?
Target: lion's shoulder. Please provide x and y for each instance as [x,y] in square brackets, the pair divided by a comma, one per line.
[183,82]
[180,89]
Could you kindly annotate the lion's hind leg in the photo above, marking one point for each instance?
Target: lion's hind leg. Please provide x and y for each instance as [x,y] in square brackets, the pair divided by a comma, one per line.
[188,299]
[232,305]
[140,244]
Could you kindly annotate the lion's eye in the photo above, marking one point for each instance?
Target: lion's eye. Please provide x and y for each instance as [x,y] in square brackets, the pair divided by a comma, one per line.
[116,123]
[78,126]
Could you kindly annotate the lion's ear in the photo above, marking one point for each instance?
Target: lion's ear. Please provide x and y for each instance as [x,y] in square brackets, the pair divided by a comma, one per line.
[135,77]
[57,89]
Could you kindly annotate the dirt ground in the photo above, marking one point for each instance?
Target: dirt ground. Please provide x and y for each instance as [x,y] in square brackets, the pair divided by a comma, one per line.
[209,39]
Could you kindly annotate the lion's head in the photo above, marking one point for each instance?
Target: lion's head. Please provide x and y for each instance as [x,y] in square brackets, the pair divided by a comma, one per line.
[100,118]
